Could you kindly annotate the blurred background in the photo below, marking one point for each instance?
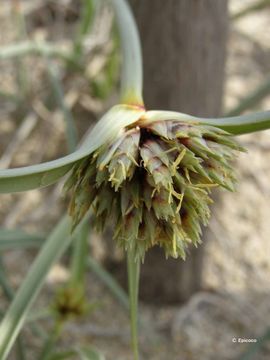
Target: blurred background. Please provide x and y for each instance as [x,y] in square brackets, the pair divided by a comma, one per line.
[59,71]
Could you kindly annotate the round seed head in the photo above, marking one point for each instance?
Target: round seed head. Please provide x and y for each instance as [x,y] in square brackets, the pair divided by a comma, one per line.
[153,184]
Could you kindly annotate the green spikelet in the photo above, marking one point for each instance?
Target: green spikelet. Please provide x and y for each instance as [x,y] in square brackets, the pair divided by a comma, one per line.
[153,184]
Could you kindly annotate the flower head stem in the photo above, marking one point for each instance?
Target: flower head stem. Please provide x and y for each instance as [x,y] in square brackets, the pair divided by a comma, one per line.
[133,285]
[49,345]
[132,74]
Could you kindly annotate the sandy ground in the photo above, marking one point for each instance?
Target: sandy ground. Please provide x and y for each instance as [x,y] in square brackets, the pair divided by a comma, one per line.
[237,265]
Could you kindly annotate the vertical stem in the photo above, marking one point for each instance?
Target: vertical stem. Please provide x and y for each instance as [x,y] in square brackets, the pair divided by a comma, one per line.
[51,341]
[87,14]
[133,268]
[21,32]
[58,91]
[132,74]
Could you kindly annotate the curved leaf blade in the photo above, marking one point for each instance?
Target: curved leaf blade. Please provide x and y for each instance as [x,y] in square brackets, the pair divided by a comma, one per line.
[236,125]
[41,175]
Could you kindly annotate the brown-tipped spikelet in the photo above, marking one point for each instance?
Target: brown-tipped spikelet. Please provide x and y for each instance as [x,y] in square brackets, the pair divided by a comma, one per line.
[153,183]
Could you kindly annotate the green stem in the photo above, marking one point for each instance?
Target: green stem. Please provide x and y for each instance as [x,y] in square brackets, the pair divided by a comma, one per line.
[51,341]
[58,92]
[133,268]
[132,74]
[87,15]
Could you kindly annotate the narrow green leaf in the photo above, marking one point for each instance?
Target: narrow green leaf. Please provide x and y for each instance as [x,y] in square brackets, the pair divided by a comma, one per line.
[252,99]
[71,131]
[87,15]
[236,125]
[63,355]
[85,353]
[258,5]
[15,316]
[24,48]
[103,84]
[41,175]
[15,238]
[9,96]
[8,292]
[4,283]
[90,353]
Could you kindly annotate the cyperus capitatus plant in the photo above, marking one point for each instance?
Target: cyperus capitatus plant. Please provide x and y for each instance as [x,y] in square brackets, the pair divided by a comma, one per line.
[151,171]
